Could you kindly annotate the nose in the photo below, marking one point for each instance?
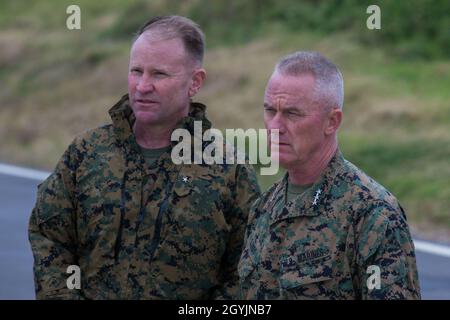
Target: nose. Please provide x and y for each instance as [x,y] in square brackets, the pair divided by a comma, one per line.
[145,85]
[276,123]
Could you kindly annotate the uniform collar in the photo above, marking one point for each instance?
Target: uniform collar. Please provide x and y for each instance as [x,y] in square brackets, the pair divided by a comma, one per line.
[123,119]
[314,200]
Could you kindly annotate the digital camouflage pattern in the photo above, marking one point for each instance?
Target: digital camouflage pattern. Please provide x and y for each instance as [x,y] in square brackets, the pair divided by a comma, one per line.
[320,245]
[139,232]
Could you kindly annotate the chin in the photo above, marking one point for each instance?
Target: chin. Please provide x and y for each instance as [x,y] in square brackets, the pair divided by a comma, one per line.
[287,161]
[147,117]
[284,162]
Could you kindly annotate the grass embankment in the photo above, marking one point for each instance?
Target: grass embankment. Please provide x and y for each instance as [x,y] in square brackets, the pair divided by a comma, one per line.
[57,83]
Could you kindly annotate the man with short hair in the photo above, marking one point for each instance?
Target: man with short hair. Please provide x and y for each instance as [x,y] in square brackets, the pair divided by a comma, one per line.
[138,225]
[326,230]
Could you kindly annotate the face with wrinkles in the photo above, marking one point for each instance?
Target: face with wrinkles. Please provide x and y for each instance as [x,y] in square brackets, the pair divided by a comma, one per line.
[302,123]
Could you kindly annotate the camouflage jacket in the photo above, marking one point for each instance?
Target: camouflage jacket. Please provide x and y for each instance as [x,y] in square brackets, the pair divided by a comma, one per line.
[322,244]
[139,232]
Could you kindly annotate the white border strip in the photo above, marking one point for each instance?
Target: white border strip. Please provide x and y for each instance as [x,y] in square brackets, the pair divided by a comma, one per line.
[432,248]
[23,172]
[7,169]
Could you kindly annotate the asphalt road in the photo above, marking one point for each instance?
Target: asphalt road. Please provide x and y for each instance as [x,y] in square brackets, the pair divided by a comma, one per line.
[17,196]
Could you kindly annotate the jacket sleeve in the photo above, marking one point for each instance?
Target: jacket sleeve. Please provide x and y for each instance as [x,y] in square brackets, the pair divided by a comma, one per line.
[244,193]
[386,258]
[52,231]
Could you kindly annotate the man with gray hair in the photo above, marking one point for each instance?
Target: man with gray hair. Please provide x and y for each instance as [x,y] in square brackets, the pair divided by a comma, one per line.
[326,230]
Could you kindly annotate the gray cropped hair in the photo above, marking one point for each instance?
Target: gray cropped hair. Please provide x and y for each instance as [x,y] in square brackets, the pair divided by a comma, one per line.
[329,84]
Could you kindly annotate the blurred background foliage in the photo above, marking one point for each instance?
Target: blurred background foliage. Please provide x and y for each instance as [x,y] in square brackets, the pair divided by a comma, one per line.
[56,83]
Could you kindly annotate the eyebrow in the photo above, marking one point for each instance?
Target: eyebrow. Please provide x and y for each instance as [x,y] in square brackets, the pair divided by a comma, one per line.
[284,109]
[156,69]
[160,70]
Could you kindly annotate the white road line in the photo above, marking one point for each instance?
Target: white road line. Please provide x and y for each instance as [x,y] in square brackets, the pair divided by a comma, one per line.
[23,172]
[424,246]
[428,247]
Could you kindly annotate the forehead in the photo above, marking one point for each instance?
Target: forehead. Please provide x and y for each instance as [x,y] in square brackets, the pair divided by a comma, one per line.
[155,47]
[291,89]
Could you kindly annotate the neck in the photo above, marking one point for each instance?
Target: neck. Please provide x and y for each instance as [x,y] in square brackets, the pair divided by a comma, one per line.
[310,171]
[151,136]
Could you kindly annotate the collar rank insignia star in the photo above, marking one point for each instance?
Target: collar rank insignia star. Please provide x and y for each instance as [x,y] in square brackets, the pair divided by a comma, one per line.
[185,179]
[316,197]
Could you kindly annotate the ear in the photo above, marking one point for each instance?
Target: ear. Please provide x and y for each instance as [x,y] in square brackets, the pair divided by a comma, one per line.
[334,121]
[198,77]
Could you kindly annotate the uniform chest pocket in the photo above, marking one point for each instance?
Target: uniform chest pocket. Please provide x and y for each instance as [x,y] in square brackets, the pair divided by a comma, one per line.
[310,280]
[90,204]
[199,188]
[196,220]
[98,215]
[196,199]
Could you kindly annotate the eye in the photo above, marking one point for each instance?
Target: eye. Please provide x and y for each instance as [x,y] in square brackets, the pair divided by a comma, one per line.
[293,114]
[160,74]
[269,110]
[136,70]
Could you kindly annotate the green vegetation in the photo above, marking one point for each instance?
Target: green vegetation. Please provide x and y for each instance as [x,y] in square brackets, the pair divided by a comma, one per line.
[57,83]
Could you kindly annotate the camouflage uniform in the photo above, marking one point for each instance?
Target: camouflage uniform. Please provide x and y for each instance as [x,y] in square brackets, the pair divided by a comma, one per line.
[320,245]
[139,232]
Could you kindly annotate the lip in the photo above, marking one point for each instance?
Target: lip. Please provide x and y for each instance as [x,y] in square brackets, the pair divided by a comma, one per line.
[282,144]
[145,102]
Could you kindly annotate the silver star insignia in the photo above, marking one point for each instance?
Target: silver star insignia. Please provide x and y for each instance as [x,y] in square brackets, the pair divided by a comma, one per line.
[185,179]
[316,197]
